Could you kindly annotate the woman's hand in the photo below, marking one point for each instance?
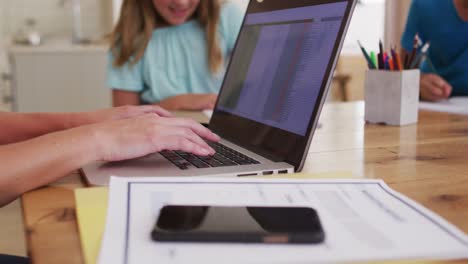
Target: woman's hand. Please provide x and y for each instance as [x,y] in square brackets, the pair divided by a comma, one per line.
[434,88]
[193,102]
[117,113]
[136,137]
[56,154]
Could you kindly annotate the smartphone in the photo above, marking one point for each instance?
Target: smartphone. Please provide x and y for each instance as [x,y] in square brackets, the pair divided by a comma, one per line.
[283,225]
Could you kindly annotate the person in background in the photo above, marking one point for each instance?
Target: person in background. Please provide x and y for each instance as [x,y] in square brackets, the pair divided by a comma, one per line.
[443,23]
[172,52]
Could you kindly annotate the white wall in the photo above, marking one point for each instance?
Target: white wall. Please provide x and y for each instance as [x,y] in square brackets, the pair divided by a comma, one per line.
[53,19]
[367,25]
[395,20]
[116,5]
[3,60]
[2,37]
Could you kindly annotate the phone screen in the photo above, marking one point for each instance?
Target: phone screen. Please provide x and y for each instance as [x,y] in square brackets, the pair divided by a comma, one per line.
[238,224]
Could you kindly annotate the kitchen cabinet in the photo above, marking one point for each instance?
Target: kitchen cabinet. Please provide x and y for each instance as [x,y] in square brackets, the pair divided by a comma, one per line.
[59,77]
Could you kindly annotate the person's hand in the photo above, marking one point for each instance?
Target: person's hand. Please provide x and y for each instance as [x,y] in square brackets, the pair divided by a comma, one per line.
[117,113]
[194,102]
[136,137]
[128,111]
[434,88]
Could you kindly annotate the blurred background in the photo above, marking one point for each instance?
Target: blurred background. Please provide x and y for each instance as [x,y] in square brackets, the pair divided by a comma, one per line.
[53,58]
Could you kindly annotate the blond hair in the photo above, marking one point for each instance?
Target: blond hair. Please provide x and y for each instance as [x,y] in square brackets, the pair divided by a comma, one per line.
[138,19]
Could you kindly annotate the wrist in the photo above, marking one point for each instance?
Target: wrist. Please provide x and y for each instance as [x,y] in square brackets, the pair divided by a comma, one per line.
[100,142]
[92,140]
[74,147]
[74,120]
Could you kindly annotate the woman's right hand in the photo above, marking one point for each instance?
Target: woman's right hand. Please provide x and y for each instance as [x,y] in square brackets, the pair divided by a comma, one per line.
[150,133]
[434,88]
[193,102]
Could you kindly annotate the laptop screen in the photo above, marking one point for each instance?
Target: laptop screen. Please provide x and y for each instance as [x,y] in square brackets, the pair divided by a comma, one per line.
[278,76]
[284,60]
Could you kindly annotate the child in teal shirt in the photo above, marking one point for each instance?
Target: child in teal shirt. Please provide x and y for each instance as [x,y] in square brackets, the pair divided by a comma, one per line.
[443,23]
[172,52]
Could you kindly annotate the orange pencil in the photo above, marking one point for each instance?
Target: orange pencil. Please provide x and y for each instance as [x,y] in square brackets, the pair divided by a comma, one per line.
[397,60]
[390,63]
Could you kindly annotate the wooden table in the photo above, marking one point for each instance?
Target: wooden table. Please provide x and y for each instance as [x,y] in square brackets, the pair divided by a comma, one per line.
[427,162]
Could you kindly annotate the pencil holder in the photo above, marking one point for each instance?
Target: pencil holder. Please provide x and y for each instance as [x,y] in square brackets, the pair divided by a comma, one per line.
[392,97]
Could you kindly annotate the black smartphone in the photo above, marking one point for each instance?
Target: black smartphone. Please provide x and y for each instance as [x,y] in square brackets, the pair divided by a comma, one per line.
[178,223]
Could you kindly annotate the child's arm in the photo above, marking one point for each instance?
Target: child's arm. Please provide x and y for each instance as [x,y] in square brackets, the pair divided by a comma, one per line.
[193,102]
[121,98]
[434,88]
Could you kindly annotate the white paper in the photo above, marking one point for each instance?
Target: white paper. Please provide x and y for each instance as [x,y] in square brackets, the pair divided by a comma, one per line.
[363,220]
[454,105]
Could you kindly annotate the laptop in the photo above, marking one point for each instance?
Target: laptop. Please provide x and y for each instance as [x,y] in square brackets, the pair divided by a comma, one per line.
[271,97]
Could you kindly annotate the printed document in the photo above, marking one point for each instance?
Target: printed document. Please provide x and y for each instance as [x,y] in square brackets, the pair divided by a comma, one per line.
[364,220]
[453,105]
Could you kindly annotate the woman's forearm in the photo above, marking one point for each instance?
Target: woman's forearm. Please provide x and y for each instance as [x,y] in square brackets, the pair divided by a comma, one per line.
[44,159]
[39,161]
[17,127]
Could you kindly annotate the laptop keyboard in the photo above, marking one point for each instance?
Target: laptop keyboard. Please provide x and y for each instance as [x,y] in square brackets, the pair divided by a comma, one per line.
[223,157]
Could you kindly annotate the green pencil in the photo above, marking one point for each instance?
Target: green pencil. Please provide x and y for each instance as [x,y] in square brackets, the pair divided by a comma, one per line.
[374,59]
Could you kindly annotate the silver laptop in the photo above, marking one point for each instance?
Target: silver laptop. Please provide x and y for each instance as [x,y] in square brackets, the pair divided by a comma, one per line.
[271,97]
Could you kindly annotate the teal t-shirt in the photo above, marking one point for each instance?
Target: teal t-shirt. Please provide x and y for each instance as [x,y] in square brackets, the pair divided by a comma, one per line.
[439,23]
[175,60]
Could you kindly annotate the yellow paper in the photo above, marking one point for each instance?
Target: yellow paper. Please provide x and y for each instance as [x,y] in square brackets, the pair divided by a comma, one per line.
[91,208]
